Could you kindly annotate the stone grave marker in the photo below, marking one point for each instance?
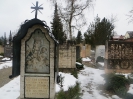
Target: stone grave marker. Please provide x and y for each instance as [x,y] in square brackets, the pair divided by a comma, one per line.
[38,61]
[99,51]
[8,50]
[67,57]
[35,58]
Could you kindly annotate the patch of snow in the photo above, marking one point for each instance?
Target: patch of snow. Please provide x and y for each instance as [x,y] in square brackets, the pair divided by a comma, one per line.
[130,89]
[1,56]
[86,59]
[69,80]
[78,63]
[92,51]
[6,58]
[101,63]
[6,64]
[11,90]
[115,97]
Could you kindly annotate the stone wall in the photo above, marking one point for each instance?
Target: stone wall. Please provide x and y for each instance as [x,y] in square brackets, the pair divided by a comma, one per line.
[67,56]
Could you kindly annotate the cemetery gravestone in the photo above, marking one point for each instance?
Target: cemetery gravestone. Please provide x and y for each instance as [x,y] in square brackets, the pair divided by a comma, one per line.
[85,50]
[99,51]
[119,56]
[35,59]
[8,50]
[67,57]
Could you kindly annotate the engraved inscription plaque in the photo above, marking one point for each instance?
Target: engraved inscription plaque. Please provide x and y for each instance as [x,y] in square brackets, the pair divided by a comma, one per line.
[37,87]
[37,53]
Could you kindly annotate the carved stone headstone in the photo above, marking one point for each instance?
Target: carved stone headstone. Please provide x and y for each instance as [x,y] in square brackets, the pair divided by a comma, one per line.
[36,58]
[8,51]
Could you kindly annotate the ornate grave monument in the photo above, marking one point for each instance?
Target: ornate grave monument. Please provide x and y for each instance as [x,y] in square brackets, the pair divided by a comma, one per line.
[119,56]
[35,59]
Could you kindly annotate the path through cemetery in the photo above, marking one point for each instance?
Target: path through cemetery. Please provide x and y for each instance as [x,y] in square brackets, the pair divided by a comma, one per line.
[4,76]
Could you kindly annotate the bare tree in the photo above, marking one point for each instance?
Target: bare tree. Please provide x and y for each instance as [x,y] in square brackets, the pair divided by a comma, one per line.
[130,16]
[72,13]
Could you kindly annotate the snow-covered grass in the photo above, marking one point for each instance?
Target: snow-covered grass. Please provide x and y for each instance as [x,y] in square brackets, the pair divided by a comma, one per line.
[89,79]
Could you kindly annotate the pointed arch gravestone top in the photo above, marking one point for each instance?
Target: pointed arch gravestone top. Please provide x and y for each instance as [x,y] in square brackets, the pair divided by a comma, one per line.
[35,59]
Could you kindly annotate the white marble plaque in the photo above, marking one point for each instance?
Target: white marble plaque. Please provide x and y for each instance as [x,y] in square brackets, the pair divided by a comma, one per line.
[37,53]
[37,87]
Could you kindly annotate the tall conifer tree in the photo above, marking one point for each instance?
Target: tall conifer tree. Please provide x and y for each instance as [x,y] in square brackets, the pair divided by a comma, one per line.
[79,37]
[10,38]
[5,40]
[57,27]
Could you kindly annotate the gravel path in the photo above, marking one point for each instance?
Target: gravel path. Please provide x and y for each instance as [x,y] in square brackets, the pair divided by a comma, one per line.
[4,76]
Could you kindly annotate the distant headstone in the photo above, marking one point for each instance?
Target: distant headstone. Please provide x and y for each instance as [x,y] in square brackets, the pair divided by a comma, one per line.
[8,50]
[35,59]
[67,57]
[99,52]
[84,50]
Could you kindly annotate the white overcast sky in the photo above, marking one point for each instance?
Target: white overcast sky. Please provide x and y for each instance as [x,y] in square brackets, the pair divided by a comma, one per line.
[14,12]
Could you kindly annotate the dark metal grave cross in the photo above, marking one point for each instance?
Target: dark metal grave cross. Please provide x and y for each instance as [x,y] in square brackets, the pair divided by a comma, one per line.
[36,8]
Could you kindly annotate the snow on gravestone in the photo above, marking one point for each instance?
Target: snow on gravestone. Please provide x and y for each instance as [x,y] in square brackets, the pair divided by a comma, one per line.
[99,51]
[38,61]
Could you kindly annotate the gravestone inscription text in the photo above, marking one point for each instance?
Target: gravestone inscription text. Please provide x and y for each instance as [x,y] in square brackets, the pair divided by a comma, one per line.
[37,87]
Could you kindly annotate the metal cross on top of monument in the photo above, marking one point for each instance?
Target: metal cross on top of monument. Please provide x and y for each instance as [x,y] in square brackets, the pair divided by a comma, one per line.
[37,8]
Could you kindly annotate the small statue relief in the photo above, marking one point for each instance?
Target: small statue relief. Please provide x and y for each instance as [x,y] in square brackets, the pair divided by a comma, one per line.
[37,53]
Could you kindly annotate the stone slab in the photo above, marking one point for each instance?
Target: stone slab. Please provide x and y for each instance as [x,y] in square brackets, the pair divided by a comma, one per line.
[37,87]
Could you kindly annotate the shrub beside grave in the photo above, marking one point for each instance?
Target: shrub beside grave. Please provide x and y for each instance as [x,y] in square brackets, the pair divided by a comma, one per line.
[79,65]
[75,73]
[117,84]
[72,93]
[130,77]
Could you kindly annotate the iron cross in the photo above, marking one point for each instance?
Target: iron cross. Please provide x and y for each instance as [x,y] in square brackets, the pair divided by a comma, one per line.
[36,8]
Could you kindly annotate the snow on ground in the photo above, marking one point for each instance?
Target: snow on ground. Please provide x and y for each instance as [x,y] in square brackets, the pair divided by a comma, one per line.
[130,89]
[101,63]
[11,90]
[6,58]
[86,59]
[69,80]
[89,79]
[5,64]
